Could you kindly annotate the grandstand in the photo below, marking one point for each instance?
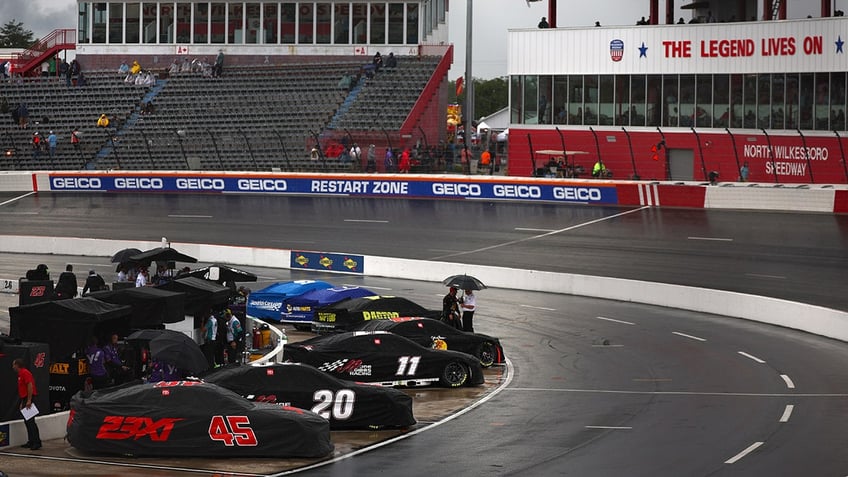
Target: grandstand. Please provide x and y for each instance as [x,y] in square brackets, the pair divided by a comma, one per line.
[259,118]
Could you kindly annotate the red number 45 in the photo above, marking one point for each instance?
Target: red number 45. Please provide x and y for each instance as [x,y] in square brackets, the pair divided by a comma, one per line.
[232,430]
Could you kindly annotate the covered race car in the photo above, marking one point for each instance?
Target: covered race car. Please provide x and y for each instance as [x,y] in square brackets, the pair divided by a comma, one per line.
[347,405]
[192,419]
[303,307]
[434,333]
[349,313]
[386,359]
[268,303]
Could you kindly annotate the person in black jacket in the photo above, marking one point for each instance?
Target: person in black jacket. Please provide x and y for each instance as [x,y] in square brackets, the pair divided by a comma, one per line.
[93,283]
[66,287]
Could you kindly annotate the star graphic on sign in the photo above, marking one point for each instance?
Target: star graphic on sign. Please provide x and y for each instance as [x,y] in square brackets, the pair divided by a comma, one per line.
[839,44]
[643,51]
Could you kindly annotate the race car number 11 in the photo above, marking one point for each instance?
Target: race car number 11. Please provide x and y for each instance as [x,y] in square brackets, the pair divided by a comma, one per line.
[232,430]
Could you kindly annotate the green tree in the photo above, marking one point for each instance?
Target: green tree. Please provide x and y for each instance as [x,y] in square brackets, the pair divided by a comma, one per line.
[14,35]
[489,95]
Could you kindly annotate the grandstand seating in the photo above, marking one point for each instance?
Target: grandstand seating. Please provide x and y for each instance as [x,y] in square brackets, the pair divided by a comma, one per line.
[252,118]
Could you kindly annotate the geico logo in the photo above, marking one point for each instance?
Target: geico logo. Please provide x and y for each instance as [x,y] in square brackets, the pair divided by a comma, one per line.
[138,183]
[263,184]
[520,191]
[577,193]
[456,189]
[75,182]
[200,184]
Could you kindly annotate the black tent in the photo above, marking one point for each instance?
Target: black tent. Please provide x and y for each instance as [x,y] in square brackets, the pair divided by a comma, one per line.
[200,293]
[66,325]
[343,315]
[150,306]
[161,254]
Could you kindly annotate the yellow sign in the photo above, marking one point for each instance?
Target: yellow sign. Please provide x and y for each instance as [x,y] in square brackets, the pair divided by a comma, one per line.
[59,368]
[327,317]
[379,315]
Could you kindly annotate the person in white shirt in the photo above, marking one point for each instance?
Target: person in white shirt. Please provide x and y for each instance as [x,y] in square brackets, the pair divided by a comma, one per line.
[210,337]
[469,306]
[141,279]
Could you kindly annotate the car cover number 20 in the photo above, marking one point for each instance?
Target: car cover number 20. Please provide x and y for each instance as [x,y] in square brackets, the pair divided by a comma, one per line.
[232,430]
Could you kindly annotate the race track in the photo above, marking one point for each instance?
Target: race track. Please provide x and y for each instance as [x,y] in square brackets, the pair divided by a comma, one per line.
[600,388]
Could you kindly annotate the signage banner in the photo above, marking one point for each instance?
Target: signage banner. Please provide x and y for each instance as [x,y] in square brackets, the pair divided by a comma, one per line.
[437,187]
[334,262]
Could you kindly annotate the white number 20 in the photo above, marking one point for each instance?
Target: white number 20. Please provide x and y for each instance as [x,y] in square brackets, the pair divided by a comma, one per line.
[340,406]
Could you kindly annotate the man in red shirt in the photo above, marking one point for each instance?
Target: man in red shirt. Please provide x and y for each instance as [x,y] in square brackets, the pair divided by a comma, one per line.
[27,391]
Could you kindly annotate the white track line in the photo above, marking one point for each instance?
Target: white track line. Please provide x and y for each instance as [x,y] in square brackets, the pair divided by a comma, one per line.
[616,428]
[749,356]
[370,287]
[614,320]
[742,454]
[712,239]
[787,413]
[760,275]
[189,216]
[788,381]
[527,229]
[687,336]
[16,198]
[534,237]
[367,221]
[538,307]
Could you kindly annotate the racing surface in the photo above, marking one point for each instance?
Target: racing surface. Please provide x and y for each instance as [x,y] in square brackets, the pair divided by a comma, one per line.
[600,388]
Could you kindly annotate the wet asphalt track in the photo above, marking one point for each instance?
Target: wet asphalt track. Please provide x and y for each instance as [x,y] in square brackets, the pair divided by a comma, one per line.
[670,393]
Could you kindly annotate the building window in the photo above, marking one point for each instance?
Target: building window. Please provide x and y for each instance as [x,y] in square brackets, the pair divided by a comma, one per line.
[183,23]
[395,23]
[341,23]
[323,23]
[515,95]
[148,18]
[703,102]
[201,23]
[288,12]
[218,16]
[378,23]
[764,101]
[305,19]
[837,101]
[807,100]
[778,100]
[269,23]
[622,100]
[411,23]
[83,23]
[559,101]
[99,27]
[253,23]
[686,98]
[235,24]
[637,100]
[116,23]
[721,101]
[575,100]
[133,22]
[166,23]
[822,101]
[360,23]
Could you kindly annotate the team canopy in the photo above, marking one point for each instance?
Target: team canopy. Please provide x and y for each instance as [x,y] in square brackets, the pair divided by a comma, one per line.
[200,294]
[66,325]
[150,306]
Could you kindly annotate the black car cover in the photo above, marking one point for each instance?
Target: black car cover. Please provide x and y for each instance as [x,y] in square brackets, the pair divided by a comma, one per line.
[345,314]
[347,405]
[192,419]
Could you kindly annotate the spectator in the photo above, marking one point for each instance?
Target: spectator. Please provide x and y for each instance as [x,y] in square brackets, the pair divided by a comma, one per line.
[218,69]
[313,155]
[174,68]
[123,275]
[36,145]
[345,82]
[143,277]
[23,115]
[681,21]
[597,23]
[371,159]
[39,273]
[63,68]
[450,309]
[76,69]
[713,176]
[45,69]
[389,162]
[75,139]
[135,68]
[103,121]
[743,172]
[209,330]
[66,286]
[544,23]
[52,141]
[377,62]
[391,61]
[124,68]
[26,392]
[93,283]
[404,164]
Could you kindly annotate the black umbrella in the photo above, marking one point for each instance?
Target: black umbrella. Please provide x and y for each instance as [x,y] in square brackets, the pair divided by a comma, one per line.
[161,254]
[123,256]
[174,348]
[464,282]
[226,274]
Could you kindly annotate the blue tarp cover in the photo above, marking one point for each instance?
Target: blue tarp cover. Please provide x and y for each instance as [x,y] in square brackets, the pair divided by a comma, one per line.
[302,308]
[267,303]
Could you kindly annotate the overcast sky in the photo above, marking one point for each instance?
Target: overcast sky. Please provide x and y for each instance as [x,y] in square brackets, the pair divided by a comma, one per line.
[492,19]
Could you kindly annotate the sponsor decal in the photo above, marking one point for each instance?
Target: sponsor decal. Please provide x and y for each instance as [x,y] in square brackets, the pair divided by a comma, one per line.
[327,261]
[379,315]
[616,50]
[136,427]
[59,368]
[38,362]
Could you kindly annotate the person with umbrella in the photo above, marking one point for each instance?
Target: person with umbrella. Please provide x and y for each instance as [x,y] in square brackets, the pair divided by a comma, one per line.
[469,306]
